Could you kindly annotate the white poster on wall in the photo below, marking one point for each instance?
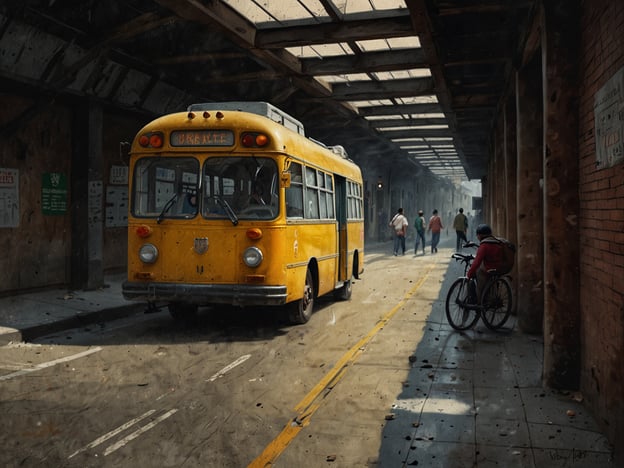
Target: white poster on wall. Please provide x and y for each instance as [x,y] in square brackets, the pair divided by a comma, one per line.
[116,206]
[9,198]
[94,220]
[119,175]
[609,121]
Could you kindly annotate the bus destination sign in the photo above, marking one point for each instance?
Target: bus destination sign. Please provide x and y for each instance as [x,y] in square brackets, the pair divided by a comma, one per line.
[202,138]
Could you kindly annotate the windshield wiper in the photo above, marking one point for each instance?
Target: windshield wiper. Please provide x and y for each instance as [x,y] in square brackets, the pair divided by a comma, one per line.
[228,210]
[166,208]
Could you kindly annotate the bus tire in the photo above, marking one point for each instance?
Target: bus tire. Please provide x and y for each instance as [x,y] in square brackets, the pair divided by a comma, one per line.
[300,311]
[343,293]
[182,311]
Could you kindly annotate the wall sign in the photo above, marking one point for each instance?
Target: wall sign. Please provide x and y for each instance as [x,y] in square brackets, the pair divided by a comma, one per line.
[119,175]
[9,198]
[116,206]
[54,193]
[94,220]
[609,121]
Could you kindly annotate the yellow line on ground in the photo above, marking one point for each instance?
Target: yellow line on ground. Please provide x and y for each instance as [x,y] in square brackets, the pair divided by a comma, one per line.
[308,406]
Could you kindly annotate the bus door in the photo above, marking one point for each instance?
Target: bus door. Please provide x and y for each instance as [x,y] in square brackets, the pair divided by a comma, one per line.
[341,217]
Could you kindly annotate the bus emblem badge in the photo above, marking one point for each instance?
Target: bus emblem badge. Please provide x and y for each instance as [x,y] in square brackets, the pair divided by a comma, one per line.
[201,245]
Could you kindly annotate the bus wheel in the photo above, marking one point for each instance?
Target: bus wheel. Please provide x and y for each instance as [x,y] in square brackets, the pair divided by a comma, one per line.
[300,310]
[343,293]
[183,311]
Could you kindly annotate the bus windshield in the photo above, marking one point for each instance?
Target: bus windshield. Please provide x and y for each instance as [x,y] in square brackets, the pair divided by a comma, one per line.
[165,188]
[231,188]
[240,188]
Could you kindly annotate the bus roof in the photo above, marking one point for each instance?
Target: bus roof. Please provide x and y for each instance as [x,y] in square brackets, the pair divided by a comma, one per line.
[334,158]
[254,107]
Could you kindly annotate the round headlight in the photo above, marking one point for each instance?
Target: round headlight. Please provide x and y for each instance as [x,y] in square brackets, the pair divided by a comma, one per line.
[252,257]
[148,253]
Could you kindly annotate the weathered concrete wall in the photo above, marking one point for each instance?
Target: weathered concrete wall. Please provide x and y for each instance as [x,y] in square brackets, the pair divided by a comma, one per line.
[36,253]
[601,224]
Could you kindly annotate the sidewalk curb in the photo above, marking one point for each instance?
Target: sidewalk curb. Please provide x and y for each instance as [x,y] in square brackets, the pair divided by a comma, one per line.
[78,320]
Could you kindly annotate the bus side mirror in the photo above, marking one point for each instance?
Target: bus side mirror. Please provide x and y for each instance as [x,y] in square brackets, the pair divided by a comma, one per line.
[285,180]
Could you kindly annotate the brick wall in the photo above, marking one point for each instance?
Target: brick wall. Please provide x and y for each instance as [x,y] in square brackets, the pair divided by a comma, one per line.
[601,220]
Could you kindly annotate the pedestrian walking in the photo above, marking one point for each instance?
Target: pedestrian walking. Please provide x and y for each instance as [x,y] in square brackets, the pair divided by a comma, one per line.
[399,225]
[435,227]
[419,225]
[460,224]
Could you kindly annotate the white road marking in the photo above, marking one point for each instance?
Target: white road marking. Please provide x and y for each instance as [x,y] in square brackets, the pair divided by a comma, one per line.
[138,432]
[44,365]
[333,319]
[112,433]
[229,367]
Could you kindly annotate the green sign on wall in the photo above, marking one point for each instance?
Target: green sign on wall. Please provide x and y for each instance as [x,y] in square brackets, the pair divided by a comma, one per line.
[54,193]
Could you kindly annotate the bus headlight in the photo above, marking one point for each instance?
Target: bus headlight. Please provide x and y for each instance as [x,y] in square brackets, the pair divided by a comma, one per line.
[252,257]
[148,253]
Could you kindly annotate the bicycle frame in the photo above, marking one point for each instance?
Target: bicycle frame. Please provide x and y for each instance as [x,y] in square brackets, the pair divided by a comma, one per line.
[493,306]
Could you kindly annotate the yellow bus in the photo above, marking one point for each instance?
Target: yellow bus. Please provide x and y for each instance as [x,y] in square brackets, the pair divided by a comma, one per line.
[230,203]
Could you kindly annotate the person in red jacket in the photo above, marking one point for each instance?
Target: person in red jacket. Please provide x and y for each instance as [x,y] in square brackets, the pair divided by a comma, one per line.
[435,228]
[489,257]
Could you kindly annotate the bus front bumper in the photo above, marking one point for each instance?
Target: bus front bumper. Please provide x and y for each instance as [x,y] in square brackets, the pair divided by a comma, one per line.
[240,295]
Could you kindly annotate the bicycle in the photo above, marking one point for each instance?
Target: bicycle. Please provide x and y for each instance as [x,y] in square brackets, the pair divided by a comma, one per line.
[493,307]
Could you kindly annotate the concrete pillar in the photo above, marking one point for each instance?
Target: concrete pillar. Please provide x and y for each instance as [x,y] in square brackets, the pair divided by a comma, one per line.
[530,227]
[484,197]
[87,198]
[498,196]
[510,159]
[560,51]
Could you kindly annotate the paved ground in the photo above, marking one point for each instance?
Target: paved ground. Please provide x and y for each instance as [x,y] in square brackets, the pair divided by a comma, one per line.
[470,399]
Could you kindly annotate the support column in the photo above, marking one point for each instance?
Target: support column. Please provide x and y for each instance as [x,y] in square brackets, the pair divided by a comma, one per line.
[509,202]
[530,254]
[485,197]
[560,51]
[501,187]
[499,180]
[86,198]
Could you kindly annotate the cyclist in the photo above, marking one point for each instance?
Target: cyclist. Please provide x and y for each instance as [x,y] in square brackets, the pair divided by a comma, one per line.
[489,257]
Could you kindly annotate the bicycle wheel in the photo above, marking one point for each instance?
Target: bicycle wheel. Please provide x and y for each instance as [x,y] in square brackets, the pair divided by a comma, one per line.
[460,317]
[496,300]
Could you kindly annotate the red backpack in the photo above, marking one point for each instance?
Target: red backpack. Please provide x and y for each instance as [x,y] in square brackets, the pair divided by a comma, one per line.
[509,253]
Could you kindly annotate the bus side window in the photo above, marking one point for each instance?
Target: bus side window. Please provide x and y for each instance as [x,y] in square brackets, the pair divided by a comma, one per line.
[294,193]
[312,194]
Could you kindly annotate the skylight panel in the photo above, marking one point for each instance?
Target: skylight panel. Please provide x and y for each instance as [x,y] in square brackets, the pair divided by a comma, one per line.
[402,74]
[349,7]
[336,49]
[265,12]
[409,140]
[434,139]
[379,102]
[250,10]
[418,99]
[382,117]
[393,43]
[345,78]
[414,127]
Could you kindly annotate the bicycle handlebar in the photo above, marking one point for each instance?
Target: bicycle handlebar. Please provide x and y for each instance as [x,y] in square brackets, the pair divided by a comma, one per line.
[465,258]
